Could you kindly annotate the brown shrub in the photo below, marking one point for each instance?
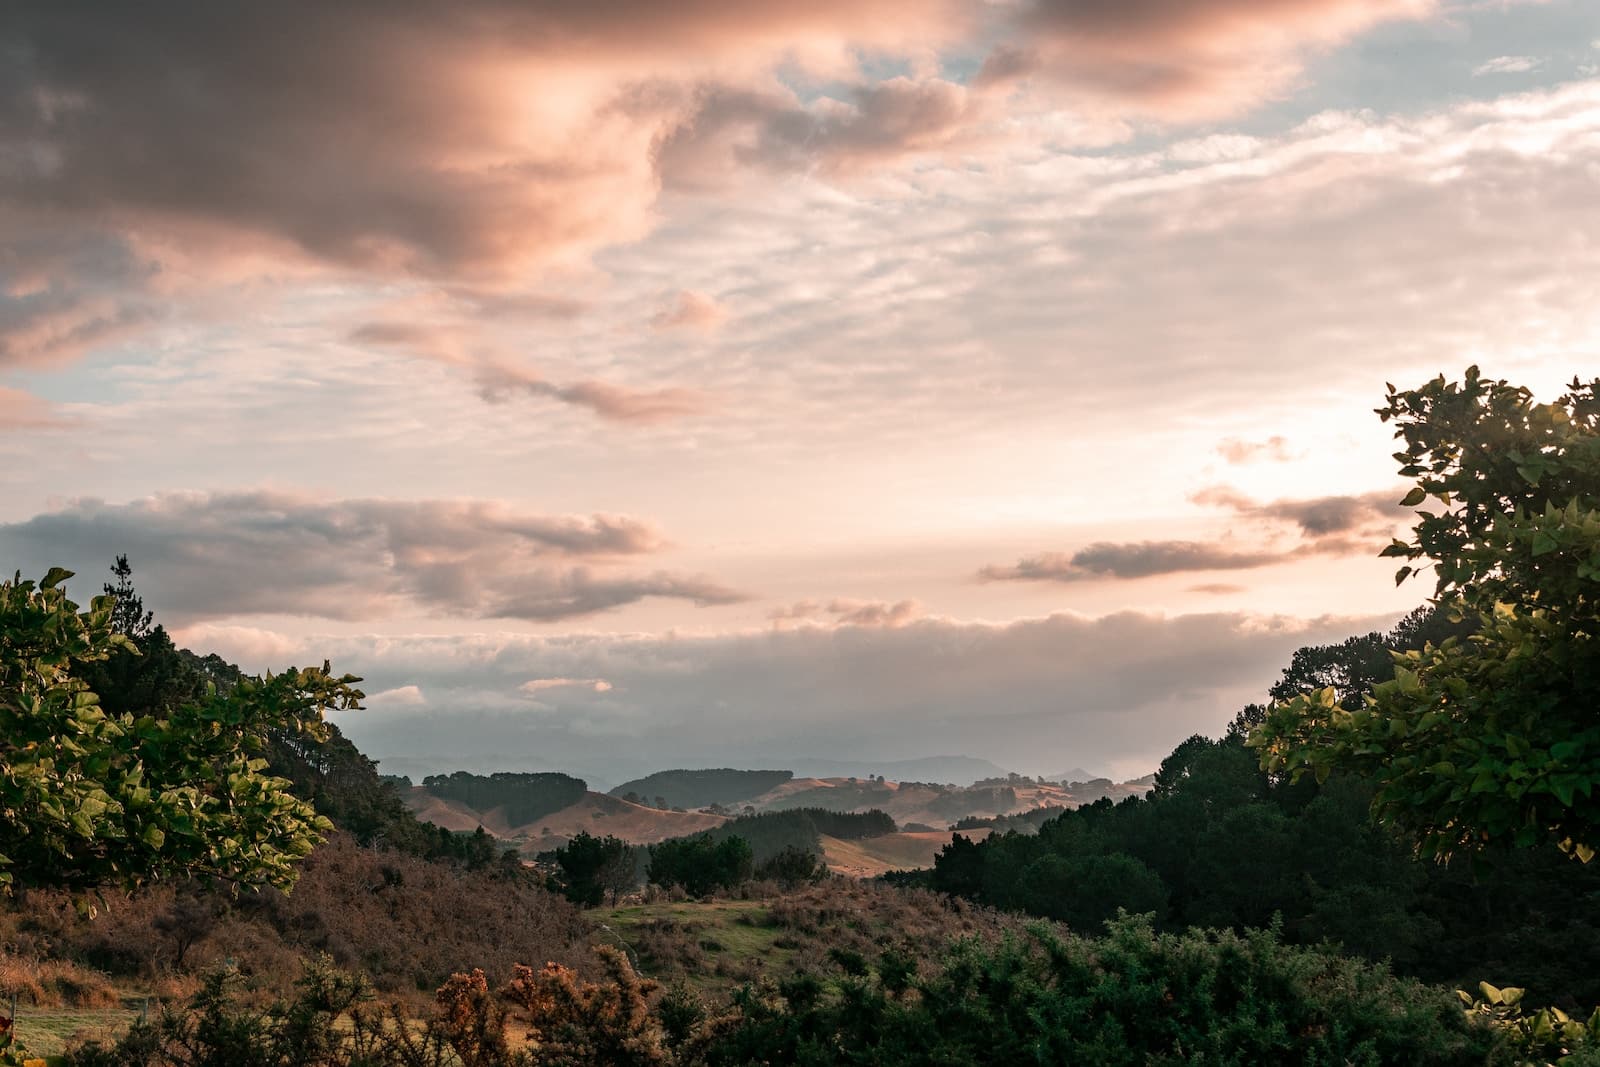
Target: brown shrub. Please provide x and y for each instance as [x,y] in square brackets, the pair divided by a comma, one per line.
[55,984]
[406,923]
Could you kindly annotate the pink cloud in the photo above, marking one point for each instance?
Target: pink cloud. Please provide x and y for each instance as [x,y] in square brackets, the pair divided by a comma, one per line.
[693,310]
[1179,59]
[24,411]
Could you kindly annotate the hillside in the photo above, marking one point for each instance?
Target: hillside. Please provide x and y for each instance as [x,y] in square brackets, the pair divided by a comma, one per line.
[872,856]
[594,813]
[722,786]
[937,805]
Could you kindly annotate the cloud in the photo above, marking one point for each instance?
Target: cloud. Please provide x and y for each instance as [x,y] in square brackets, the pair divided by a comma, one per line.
[498,379]
[1179,59]
[1507,65]
[1238,451]
[1322,523]
[846,611]
[419,138]
[1139,559]
[1219,588]
[210,555]
[690,309]
[1028,694]
[539,685]
[24,411]
[405,696]
[1316,517]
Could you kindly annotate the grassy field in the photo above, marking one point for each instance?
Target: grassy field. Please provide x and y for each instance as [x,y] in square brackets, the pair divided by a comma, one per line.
[48,1032]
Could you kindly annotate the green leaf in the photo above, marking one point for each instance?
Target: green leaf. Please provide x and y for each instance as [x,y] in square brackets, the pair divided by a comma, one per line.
[1413,498]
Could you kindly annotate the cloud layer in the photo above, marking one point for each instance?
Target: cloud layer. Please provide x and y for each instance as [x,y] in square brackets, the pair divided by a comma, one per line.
[211,555]
[1120,689]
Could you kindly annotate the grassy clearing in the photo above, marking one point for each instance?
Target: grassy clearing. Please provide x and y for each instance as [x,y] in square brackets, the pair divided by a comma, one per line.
[712,945]
[717,945]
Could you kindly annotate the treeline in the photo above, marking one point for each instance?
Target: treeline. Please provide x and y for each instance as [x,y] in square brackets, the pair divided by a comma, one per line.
[1023,822]
[1219,844]
[521,797]
[722,787]
[782,846]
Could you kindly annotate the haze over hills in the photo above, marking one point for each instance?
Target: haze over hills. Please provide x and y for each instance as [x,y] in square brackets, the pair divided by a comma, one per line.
[615,775]
[540,812]
[952,770]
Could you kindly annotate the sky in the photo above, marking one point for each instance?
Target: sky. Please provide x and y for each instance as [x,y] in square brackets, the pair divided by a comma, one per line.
[631,385]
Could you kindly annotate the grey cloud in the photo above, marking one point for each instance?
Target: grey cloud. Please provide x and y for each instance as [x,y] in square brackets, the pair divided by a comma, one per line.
[387,137]
[1137,559]
[847,611]
[209,555]
[1322,522]
[734,126]
[1316,517]
[1028,694]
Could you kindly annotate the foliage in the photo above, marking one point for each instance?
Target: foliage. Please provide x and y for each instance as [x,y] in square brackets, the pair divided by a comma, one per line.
[1023,822]
[1133,997]
[700,864]
[1492,738]
[792,867]
[89,798]
[572,1023]
[702,788]
[1221,844]
[522,798]
[593,866]
[1547,1035]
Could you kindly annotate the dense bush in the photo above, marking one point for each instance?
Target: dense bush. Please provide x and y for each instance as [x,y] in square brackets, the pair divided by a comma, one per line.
[700,864]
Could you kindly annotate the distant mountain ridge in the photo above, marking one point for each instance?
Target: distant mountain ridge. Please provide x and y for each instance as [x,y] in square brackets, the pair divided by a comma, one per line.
[952,770]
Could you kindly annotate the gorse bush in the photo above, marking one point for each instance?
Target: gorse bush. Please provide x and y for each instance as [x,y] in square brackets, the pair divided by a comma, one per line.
[1132,997]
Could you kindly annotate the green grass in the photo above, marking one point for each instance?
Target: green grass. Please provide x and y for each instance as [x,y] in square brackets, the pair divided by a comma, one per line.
[48,1032]
[733,936]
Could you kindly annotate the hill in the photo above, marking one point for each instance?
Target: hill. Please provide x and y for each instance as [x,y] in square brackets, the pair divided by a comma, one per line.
[521,809]
[722,786]
[872,856]
[591,812]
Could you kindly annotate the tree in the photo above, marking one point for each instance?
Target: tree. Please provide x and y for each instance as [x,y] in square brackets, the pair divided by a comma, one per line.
[129,617]
[90,798]
[1494,737]
[593,866]
[700,864]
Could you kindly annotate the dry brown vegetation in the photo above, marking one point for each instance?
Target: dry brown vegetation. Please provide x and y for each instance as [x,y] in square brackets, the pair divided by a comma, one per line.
[53,983]
[406,923]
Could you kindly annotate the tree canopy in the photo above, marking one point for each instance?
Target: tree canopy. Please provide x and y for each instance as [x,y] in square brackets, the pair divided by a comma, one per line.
[1495,737]
[91,797]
